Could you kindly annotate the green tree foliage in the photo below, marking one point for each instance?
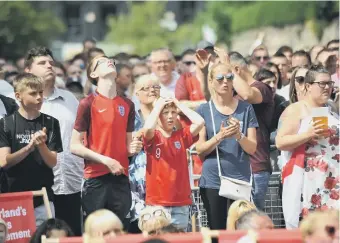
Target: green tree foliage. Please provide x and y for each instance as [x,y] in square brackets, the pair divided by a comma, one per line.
[140,26]
[23,27]
[233,17]
[141,29]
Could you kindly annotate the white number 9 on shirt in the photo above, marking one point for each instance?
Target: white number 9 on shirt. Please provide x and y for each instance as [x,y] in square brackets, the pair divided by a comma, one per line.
[158,153]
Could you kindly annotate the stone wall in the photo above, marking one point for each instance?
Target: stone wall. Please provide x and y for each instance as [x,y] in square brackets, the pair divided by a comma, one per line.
[297,36]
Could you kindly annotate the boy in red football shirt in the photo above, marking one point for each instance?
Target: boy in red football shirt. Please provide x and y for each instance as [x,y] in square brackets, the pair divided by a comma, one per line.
[167,175]
[102,135]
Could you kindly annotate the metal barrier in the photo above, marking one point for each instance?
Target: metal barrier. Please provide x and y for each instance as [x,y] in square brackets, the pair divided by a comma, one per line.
[273,202]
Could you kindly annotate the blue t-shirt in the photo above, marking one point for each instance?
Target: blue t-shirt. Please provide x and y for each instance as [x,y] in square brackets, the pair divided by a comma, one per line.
[235,163]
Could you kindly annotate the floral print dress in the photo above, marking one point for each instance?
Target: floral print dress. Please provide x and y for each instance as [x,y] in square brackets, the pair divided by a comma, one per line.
[321,182]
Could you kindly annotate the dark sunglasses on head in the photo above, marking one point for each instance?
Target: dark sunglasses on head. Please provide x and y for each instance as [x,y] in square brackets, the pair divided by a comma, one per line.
[221,77]
[300,79]
[100,61]
[188,63]
[258,58]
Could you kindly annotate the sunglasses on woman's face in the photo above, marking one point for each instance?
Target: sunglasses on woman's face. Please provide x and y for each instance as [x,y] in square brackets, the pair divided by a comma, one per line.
[221,77]
[300,79]
[265,58]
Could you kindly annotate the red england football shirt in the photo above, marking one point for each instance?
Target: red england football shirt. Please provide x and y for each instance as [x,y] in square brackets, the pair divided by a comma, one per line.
[106,122]
[167,175]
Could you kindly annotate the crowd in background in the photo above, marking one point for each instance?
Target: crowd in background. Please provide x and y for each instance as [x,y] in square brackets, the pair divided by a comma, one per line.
[114,131]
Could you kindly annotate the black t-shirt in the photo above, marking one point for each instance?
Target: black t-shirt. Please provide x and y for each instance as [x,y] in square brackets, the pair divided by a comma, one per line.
[31,173]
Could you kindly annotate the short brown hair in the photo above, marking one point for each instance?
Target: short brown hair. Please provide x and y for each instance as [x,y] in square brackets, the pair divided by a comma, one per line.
[170,105]
[27,80]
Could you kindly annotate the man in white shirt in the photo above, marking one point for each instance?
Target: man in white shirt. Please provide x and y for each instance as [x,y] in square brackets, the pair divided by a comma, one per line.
[62,105]
[162,66]
[5,88]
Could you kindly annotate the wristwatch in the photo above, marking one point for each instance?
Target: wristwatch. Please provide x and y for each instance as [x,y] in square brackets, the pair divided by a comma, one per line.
[241,137]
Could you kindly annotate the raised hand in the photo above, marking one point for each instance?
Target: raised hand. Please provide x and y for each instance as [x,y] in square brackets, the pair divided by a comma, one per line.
[222,55]
[202,58]
[161,102]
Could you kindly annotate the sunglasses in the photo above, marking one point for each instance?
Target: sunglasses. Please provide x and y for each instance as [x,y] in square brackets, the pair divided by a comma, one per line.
[265,58]
[101,61]
[300,79]
[228,77]
[188,63]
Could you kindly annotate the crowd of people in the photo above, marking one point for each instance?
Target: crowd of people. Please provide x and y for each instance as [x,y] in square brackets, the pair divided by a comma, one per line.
[108,137]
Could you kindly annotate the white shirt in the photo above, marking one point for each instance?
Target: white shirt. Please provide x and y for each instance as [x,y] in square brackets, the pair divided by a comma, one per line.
[68,172]
[3,111]
[169,90]
[5,88]
[284,91]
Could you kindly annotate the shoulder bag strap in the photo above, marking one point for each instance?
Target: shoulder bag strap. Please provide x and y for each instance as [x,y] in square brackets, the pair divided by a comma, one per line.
[214,128]
[218,154]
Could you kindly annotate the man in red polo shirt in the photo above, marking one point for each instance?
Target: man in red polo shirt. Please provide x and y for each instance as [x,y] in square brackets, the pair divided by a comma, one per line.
[167,176]
[102,135]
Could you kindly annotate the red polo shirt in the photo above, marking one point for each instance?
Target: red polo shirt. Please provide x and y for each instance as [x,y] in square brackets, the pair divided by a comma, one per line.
[167,175]
[106,122]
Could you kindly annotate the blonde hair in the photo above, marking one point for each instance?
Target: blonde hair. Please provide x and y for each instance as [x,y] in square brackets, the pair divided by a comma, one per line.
[27,80]
[312,222]
[211,74]
[100,219]
[144,78]
[155,223]
[236,210]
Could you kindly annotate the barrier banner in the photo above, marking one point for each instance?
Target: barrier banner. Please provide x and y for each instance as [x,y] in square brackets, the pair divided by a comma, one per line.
[16,209]
[230,236]
[183,238]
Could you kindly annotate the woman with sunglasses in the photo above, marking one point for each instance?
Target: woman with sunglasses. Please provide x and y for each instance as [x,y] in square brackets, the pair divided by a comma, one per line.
[310,152]
[234,137]
[297,89]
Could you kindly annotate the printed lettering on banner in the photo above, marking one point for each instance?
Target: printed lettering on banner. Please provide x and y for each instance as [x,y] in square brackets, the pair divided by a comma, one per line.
[16,209]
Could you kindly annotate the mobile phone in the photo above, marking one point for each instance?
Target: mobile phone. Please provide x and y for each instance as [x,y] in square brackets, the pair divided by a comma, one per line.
[333,94]
[202,53]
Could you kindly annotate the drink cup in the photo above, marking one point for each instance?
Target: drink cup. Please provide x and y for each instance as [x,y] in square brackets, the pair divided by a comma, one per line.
[320,116]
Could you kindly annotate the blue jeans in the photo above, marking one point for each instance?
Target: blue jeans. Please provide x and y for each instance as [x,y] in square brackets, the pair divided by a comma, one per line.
[260,186]
[179,216]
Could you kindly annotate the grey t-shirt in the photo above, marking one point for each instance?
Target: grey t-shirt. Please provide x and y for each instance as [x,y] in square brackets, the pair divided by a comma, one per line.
[235,163]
